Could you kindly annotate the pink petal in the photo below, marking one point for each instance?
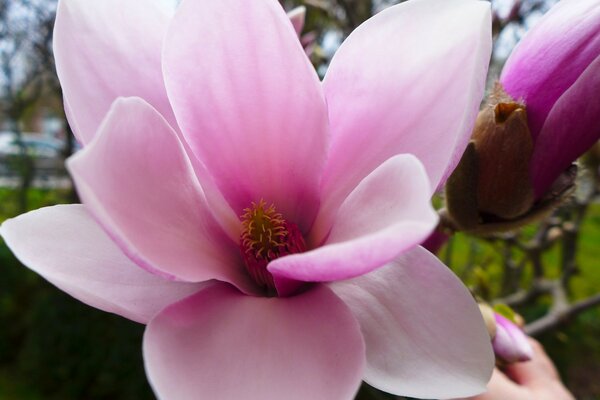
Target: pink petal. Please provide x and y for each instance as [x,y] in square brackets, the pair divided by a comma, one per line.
[550,58]
[96,64]
[136,180]
[570,129]
[424,334]
[66,246]
[409,80]
[221,210]
[220,344]
[249,103]
[387,213]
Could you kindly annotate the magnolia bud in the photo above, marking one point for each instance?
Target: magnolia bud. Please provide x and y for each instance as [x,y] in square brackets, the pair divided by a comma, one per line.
[297,17]
[510,343]
[491,188]
[555,71]
[508,340]
[527,137]
[489,318]
[504,147]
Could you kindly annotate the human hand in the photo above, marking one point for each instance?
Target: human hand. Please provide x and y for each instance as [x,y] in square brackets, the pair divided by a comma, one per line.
[532,380]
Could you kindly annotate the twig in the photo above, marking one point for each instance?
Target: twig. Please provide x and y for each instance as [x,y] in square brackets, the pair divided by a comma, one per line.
[521,297]
[557,317]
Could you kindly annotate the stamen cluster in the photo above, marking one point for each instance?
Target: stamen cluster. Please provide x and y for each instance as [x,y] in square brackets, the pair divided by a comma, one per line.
[266,236]
[263,231]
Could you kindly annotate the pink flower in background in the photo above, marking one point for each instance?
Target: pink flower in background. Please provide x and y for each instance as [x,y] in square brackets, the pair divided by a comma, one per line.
[308,40]
[262,223]
[510,343]
[555,69]
[297,16]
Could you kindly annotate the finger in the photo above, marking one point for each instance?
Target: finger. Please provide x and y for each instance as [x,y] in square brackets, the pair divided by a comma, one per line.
[539,369]
[501,387]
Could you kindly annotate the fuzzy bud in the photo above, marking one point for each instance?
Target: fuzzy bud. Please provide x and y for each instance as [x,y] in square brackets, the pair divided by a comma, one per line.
[504,147]
[489,318]
[510,343]
[491,189]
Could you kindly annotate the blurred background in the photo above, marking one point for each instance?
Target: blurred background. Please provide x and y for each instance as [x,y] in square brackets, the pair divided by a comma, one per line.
[53,347]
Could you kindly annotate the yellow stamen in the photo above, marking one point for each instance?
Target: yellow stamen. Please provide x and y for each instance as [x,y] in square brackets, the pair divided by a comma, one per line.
[266,235]
[263,230]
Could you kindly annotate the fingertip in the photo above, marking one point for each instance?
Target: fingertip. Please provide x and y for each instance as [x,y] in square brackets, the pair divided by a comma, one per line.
[537,346]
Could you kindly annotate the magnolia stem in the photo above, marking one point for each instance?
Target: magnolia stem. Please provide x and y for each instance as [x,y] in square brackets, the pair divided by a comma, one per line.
[559,316]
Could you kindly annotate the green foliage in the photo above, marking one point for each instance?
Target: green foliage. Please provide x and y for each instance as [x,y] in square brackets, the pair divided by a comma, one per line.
[72,351]
[587,282]
[53,347]
[37,198]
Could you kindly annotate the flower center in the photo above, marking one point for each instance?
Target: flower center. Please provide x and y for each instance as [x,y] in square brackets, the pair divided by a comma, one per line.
[265,237]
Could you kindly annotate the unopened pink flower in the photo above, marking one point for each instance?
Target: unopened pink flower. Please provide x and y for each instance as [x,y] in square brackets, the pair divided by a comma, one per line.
[262,223]
[308,40]
[555,70]
[510,343]
[297,16]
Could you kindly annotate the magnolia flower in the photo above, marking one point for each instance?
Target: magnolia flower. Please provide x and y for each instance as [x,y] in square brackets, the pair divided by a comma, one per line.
[510,343]
[555,71]
[264,225]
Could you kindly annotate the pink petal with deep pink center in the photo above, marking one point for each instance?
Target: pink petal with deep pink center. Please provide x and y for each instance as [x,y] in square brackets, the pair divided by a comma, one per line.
[409,80]
[220,344]
[423,331]
[96,64]
[68,248]
[387,213]
[249,103]
[569,131]
[137,181]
